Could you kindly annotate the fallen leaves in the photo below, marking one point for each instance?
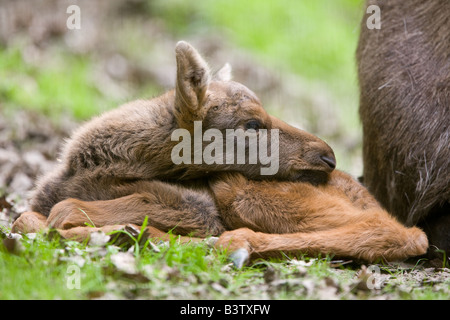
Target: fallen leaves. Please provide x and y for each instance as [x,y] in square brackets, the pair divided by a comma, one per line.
[29,142]
[125,264]
[98,239]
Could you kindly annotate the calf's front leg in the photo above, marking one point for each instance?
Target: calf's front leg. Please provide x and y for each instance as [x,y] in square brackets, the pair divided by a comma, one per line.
[360,241]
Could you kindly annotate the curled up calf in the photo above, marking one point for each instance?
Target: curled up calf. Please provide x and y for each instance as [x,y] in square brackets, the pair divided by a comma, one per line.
[151,158]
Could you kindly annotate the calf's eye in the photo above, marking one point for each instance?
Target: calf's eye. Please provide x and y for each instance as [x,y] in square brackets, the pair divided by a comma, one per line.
[253,124]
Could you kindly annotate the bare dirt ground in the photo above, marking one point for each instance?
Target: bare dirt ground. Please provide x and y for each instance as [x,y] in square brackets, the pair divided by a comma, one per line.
[29,144]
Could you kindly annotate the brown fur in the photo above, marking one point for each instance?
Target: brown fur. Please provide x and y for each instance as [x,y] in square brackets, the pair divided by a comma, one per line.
[113,154]
[404,70]
[112,168]
[339,217]
[264,218]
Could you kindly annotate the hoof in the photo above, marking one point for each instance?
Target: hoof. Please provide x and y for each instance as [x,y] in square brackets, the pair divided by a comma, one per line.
[239,257]
[211,241]
[29,222]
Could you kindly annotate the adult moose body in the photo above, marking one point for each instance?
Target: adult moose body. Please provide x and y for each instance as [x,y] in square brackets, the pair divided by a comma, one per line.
[404,76]
[117,169]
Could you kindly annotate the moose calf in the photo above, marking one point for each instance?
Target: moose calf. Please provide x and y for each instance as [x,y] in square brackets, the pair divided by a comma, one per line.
[404,77]
[117,170]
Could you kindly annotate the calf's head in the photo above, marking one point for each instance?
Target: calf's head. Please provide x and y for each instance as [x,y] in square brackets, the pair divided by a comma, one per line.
[217,112]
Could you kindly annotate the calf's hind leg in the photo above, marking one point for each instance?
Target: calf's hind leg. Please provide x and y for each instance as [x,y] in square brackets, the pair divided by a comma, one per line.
[84,233]
[168,207]
[31,222]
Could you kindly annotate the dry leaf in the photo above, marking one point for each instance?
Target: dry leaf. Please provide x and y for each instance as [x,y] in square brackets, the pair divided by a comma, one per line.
[98,239]
[78,260]
[270,275]
[125,264]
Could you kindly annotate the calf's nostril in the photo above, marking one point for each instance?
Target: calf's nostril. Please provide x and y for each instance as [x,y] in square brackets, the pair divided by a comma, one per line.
[330,161]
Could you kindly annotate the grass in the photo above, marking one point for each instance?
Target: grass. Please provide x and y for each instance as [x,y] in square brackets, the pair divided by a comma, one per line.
[61,86]
[314,38]
[43,268]
[40,270]
[37,273]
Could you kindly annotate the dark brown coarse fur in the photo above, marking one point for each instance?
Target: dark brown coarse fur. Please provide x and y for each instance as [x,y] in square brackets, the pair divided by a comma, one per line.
[404,77]
[117,169]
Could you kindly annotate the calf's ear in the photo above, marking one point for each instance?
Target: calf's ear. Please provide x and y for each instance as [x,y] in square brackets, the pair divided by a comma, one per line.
[224,74]
[193,77]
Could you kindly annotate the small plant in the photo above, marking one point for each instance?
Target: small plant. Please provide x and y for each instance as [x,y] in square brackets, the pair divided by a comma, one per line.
[91,224]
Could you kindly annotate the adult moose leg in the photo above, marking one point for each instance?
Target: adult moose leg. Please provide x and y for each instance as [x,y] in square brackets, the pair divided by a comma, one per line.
[403,73]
